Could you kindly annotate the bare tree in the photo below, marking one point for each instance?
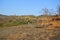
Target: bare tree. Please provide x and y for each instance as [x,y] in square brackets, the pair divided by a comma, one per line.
[58,10]
[45,11]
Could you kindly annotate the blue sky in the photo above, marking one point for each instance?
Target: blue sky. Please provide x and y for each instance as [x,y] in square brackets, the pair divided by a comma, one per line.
[26,7]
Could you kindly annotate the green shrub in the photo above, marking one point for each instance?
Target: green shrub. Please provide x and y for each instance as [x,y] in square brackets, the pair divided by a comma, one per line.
[1,24]
[39,27]
[22,22]
[10,20]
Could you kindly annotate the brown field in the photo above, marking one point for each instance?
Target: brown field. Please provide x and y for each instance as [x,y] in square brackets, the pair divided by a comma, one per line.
[38,28]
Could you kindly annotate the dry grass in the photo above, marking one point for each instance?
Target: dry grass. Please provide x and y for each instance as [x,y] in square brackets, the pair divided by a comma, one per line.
[45,29]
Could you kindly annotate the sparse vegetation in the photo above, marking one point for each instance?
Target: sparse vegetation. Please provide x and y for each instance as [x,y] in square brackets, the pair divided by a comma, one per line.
[29,27]
[1,24]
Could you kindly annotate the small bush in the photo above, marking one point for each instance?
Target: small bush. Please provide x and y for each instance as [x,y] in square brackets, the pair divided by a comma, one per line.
[1,24]
[39,27]
[10,20]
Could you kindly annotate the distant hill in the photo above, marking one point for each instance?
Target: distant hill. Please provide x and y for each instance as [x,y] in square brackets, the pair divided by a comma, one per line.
[2,15]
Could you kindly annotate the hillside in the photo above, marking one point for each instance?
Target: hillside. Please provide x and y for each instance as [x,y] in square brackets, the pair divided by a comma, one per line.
[30,28]
[50,22]
[43,21]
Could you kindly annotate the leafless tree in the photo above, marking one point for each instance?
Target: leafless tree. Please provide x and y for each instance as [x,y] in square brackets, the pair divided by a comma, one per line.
[45,11]
[58,10]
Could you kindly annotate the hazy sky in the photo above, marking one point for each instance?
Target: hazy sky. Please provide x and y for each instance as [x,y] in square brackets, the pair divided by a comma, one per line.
[26,7]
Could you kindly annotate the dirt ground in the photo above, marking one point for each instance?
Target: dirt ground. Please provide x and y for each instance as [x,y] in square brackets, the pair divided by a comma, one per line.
[48,29]
[29,33]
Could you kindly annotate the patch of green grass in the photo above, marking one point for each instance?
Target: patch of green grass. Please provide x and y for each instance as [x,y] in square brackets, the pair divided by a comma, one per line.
[1,24]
